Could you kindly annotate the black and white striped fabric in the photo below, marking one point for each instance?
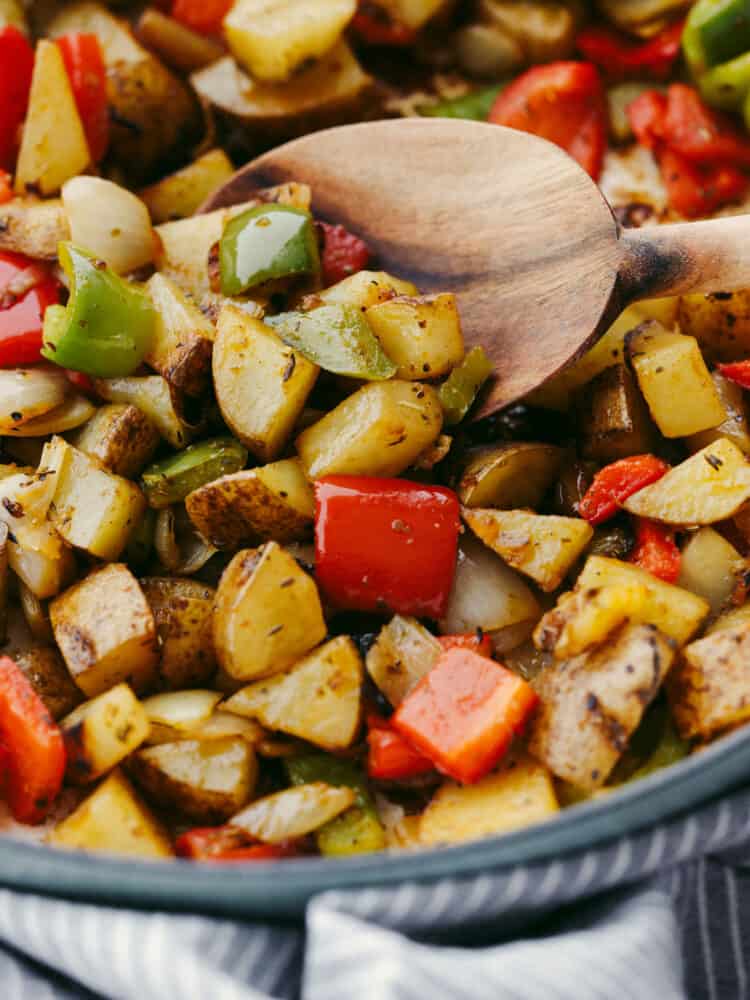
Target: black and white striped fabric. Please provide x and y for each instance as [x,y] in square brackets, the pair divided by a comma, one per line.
[662,914]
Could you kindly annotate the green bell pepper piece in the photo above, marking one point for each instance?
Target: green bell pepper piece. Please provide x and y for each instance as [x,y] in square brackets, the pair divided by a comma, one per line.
[338,339]
[107,326]
[460,389]
[265,243]
[356,831]
[715,32]
[472,107]
[726,86]
[141,542]
[171,479]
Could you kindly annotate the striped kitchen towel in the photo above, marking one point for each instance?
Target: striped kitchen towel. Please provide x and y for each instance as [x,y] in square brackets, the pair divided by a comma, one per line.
[662,914]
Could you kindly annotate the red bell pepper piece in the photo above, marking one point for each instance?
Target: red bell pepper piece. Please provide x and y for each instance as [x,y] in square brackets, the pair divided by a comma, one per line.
[464,713]
[695,189]
[376,26]
[6,187]
[736,371]
[613,484]
[385,544]
[391,757]
[476,642]
[36,752]
[619,57]
[227,843]
[83,382]
[16,67]
[563,102]
[343,253]
[82,55]
[646,115]
[655,550]
[22,312]
[701,134]
[203,16]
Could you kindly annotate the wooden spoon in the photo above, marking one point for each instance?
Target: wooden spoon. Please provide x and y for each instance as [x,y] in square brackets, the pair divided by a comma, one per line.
[509,223]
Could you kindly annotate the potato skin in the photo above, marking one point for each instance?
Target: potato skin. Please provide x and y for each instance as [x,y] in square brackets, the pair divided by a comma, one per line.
[121,436]
[183,612]
[45,668]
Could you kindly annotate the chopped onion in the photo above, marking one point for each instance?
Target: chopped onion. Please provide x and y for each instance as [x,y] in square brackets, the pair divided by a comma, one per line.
[178,545]
[26,393]
[110,222]
[76,410]
[182,709]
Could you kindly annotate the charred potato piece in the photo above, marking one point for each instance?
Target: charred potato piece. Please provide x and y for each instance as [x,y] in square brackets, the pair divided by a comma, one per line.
[613,418]
[182,193]
[273,501]
[720,322]
[121,437]
[591,705]
[33,227]
[509,475]
[402,654]
[584,618]
[49,677]
[205,780]
[106,631]
[154,396]
[183,611]
[102,732]
[180,348]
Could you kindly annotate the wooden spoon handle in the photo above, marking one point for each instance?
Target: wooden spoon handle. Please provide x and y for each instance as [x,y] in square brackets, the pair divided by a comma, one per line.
[711,256]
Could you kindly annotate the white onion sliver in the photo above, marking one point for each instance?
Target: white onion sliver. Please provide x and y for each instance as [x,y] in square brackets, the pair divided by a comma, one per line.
[26,393]
[110,222]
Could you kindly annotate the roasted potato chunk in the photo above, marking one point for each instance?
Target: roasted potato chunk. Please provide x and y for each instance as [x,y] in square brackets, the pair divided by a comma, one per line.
[422,336]
[591,705]
[365,289]
[271,501]
[33,227]
[509,475]
[180,348]
[585,618]
[734,426]
[207,780]
[183,611]
[709,689]
[402,654]
[49,677]
[541,546]
[294,812]
[102,732]
[114,820]
[318,700]
[182,193]
[613,418]
[720,322]
[710,567]
[121,437]
[154,396]
[268,613]
[106,631]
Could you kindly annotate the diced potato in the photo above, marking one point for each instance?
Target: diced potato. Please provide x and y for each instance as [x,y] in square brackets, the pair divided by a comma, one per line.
[180,194]
[49,677]
[674,611]
[735,426]
[121,437]
[114,820]
[218,726]
[183,611]
[180,347]
[720,323]
[318,700]
[402,654]
[585,618]
[102,732]
[674,380]
[543,30]
[520,794]
[710,486]
[33,227]
[591,705]
[153,395]
[541,546]
[730,619]
[709,567]
[272,38]
[294,812]
[268,613]
[53,145]
[509,475]
[261,384]
[488,595]
[366,289]
[422,336]
[709,689]
[613,418]
[272,501]
[93,509]
[377,431]
[12,12]
[105,631]
[207,780]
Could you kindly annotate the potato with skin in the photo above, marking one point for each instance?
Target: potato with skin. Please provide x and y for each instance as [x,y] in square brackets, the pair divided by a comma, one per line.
[180,194]
[402,654]
[509,475]
[261,384]
[207,781]
[183,611]
[45,668]
[272,501]
[584,618]
[154,396]
[422,336]
[102,732]
[121,437]
[106,632]
[720,322]
[377,431]
[267,613]
[591,705]
[613,418]
[180,347]
[709,689]
[294,812]
[318,699]
[115,821]
[735,426]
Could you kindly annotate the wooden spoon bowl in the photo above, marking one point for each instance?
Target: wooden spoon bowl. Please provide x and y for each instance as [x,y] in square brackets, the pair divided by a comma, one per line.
[507,221]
